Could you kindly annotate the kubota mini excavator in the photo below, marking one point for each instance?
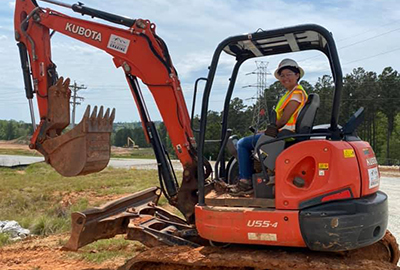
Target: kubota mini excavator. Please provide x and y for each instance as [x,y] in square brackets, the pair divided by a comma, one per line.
[326,196]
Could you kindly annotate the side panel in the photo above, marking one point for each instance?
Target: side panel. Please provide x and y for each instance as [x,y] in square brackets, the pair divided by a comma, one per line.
[249,226]
[370,176]
[325,167]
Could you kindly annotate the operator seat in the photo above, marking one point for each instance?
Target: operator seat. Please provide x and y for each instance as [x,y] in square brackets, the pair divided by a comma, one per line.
[304,125]
[305,120]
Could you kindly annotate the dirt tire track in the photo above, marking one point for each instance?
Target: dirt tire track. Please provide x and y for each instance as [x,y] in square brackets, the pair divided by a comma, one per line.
[44,253]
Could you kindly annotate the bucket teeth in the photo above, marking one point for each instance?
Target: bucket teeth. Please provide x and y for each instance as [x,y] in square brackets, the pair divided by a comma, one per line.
[58,107]
[107,114]
[100,115]
[94,113]
[112,116]
[61,88]
[98,121]
[59,82]
[87,112]
[66,83]
[62,85]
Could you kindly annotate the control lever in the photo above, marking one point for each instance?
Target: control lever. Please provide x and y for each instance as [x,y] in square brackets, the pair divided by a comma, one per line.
[272,117]
[353,123]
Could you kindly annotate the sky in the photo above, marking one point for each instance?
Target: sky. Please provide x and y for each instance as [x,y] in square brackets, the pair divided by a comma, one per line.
[367,34]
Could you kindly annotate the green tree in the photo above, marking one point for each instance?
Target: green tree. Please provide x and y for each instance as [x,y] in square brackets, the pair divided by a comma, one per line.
[324,88]
[239,117]
[10,130]
[122,135]
[139,137]
[389,96]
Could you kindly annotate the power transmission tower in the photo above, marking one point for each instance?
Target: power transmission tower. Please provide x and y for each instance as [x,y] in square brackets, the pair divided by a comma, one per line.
[75,99]
[260,113]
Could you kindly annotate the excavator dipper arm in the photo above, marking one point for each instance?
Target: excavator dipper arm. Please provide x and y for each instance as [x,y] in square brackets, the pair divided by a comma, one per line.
[141,54]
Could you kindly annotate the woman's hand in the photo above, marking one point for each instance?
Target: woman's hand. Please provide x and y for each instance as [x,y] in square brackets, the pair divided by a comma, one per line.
[271,131]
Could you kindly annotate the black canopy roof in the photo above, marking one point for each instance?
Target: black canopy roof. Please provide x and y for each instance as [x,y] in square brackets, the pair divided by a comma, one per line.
[262,43]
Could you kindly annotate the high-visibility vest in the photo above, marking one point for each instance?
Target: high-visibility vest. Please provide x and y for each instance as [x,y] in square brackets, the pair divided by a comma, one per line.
[291,124]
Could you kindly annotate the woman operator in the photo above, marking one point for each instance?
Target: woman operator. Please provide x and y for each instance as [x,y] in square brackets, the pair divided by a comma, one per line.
[287,111]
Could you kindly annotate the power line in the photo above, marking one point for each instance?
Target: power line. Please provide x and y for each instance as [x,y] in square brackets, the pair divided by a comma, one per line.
[370,30]
[355,43]
[352,44]
[372,56]
[76,99]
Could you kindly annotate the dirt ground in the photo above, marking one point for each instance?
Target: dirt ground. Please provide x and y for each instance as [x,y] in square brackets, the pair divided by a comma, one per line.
[38,253]
[235,258]
[14,145]
[390,171]
[44,254]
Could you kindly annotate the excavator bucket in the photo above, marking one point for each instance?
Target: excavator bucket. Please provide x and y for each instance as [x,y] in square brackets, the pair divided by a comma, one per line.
[84,149]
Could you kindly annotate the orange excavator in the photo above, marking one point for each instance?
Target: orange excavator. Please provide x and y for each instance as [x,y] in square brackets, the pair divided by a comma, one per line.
[325,209]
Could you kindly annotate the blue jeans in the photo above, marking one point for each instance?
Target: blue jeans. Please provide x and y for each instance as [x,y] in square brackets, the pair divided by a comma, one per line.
[245,146]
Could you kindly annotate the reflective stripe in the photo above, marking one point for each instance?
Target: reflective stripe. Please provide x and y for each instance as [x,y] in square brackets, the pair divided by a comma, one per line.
[291,124]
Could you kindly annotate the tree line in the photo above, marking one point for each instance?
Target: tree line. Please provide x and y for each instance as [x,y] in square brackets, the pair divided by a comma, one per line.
[379,94]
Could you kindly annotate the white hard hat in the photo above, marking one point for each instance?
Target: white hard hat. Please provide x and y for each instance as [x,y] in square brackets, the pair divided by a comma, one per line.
[288,63]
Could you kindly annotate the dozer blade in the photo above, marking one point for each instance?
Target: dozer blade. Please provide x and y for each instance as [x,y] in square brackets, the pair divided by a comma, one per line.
[84,149]
[110,219]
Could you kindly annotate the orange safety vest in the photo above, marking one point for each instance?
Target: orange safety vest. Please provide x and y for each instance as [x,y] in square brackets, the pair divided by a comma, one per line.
[291,124]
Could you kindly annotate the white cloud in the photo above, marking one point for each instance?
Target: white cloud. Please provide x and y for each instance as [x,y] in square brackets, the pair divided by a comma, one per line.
[193,29]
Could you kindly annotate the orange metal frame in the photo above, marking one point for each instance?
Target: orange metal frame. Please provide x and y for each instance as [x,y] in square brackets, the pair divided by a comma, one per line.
[328,170]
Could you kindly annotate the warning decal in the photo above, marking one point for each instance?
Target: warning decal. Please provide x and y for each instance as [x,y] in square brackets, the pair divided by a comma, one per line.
[374,179]
[262,236]
[118,43]
[323,166]
[348,153]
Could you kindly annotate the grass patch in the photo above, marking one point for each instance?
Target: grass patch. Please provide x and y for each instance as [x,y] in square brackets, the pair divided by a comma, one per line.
[42,200]
[19,152]
[39,199]
[4,239]
[46,225]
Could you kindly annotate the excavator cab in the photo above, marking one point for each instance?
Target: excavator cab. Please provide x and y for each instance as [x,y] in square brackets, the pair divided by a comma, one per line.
[324,188]
[287,40]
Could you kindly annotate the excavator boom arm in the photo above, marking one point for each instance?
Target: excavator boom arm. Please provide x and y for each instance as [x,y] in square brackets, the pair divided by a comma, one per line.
[140,53]
[136,50]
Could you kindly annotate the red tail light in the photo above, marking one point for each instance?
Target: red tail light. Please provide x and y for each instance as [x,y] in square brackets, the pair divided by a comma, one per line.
[345,194]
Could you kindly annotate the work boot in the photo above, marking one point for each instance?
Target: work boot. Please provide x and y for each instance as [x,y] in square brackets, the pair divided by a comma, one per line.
[271,177]
[241,188]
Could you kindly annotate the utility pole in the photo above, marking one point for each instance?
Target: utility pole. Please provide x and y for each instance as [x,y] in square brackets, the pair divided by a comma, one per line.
[75,99]
[260,113]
